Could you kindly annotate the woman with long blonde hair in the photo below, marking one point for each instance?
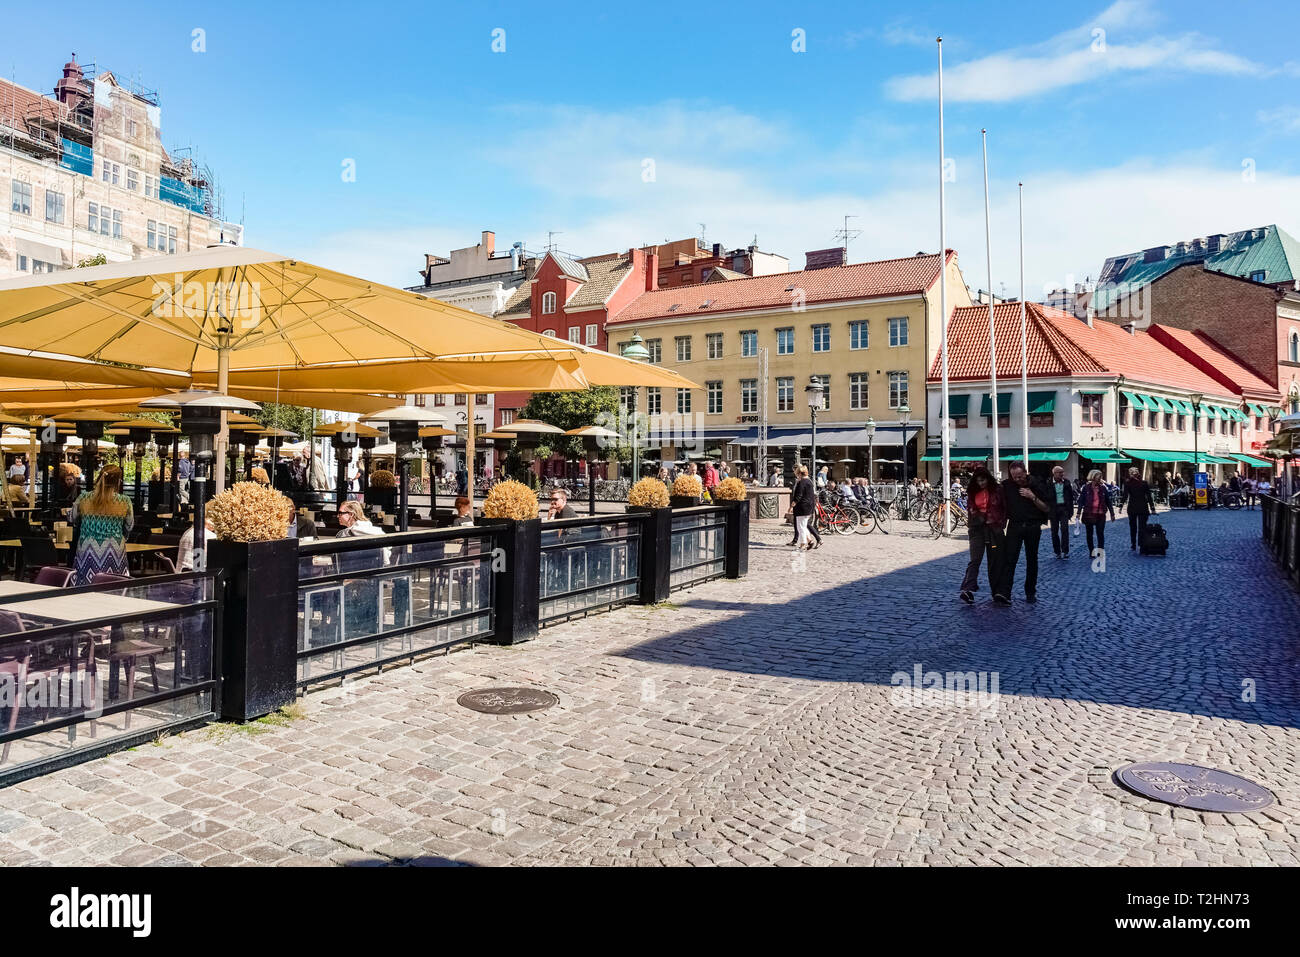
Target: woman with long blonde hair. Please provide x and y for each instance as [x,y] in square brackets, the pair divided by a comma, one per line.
[103,519]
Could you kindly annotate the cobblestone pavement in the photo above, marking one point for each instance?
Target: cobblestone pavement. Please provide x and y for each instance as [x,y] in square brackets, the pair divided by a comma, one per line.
[753,722]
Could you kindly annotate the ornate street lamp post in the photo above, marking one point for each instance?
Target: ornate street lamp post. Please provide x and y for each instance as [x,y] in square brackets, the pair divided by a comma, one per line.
[905,420]
[637,352]
[870,429]
[813,390]
[1196,398]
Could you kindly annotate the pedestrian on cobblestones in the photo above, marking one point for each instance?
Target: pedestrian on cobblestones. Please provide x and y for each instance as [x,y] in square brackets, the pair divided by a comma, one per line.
[1027,509]
[1060,496]
[1141,502]
[987,519]
[1094,502]
[803,504]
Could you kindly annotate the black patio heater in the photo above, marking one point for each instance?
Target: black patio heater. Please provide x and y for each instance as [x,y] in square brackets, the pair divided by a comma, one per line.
[139,433]
[89,427]
[201,421]
[594,438]
[431,439]
[403,423]
[52,440]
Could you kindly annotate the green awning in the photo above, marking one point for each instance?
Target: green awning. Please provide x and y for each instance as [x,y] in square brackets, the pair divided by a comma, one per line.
[1041,403]
[1093,391]
[1155,455]
[1257,409]
[1042,455]
[1216,460]
[1150,403]
[1210,411]
[1004,404]
[1163,404]
[1239,415]
[1135,399]
[1253,460]
[1102,455]
[956,454]
[959,405]
[1183,406]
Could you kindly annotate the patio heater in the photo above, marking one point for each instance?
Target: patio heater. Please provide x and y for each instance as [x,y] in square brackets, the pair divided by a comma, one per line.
[594,438]
[89,427]
[905,420]
[528,434]
[404,422]
[431,439]
[636,351]
[163,436]
[870,429]
[813,390]
[201,421]
[52,441]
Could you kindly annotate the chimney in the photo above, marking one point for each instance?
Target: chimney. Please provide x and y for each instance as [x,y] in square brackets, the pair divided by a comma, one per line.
[515,252]
[824,258]
[1155,254]
[1129,327]
[489,243]
[652,271]
[1214,244]
[717,250]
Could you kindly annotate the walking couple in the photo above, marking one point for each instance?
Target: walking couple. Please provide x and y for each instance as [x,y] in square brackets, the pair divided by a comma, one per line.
[1003,520]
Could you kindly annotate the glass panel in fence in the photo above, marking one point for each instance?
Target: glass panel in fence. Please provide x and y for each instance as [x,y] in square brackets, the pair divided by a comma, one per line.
[698,549]
[361,607]
[587,566]
[79,670]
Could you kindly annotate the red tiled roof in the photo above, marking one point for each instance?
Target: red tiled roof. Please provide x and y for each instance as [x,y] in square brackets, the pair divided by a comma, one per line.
[1230,368]
[891,277]
[1061,345]
[16,102]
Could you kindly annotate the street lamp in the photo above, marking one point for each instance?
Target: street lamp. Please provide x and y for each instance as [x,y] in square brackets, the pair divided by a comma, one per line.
[636,351]
[905,419]
[1196,398]
[201,421]
[813,390]
[870,429]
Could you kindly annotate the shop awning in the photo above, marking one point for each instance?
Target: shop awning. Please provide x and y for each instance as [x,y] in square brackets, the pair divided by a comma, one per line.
[1216,460]
[1183,406]
[1239,415]
[1004,404]
[1041,403]
[1093,391]
[958,404]
[1257,409]
[1102,456]
[1156,455]
[1138,401]
[1164,404]
[967,454]
[1056,455]
[1253,460]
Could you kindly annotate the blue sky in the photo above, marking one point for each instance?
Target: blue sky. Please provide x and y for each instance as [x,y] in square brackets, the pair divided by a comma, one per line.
[1179,119]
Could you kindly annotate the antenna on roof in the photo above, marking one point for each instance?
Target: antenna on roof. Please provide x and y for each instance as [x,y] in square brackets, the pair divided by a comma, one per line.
[550,241]
[703,229]
[845,234]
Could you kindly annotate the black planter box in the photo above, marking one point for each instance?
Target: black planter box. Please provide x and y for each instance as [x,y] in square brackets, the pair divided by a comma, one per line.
[683,501]
[382,498]
[516,589]
[259,663]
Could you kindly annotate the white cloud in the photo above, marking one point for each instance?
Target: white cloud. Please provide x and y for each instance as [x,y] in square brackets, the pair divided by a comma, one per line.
[1285,119]
[1081,55]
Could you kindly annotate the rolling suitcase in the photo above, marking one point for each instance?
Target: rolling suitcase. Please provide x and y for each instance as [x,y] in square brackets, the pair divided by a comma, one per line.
[1154,541]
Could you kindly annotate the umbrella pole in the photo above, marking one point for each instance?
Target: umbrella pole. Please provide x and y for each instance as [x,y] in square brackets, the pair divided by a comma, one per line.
[223,436]
[591,482]
[469,449]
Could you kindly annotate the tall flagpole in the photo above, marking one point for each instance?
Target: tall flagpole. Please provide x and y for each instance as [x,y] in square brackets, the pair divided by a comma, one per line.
[993,349]
[1024,337]
[943,320]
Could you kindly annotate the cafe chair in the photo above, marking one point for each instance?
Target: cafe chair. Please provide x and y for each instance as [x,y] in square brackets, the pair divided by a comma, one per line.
[37,552]
[56,576]
[127,652]
[21,668]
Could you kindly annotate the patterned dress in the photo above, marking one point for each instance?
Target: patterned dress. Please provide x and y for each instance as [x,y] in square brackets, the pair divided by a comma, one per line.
[101,546]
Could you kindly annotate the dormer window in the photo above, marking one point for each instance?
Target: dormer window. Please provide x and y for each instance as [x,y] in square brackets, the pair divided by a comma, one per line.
[548,303]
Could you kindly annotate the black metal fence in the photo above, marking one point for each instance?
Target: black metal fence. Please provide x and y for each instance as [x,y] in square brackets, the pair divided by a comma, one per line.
[698,551]
[85,671]
[588,564]
[1282,533]
[369,601]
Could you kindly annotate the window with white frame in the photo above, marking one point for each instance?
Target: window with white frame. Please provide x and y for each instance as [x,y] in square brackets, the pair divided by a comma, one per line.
[825,379]
[897,389]
[858,334]
[20,197]
[593,334]
[785,393]
[549,332]
[683,401]
[149,186]
[507,416]
[898,331]
[653,400]
[548,303]
[748,396]
[151,234]
[112,172]
[656,349]
[749,343]
[92,217]
[683,348]
[785,341]
[715,397]
[821,337]
[575,333]
[714,340]
[626,396]
[132,180]
[55,205]
[858,398]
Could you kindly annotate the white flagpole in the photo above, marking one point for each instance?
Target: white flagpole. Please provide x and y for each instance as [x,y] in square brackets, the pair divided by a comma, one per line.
[946,463]
[1024,347]
[993,349]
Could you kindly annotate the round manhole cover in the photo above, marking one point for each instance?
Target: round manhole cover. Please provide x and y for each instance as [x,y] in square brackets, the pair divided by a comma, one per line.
[1186,785]
[507,700]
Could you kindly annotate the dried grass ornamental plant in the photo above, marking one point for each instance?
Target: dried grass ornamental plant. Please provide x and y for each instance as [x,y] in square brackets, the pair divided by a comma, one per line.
[382,478]
[249,512]
[688,486]
[511,500]
[730,490]
[648,493]
[260,476]
[69,468]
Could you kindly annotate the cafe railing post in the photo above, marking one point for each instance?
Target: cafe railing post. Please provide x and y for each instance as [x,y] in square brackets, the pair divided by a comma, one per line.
[656,555]
[516,568]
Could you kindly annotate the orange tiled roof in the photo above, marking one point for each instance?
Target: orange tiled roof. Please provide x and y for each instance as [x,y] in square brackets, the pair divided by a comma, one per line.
[1229,366]
[16,102]
[891,277]
[1061,345]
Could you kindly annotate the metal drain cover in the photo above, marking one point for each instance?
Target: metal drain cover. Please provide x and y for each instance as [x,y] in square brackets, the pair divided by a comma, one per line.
[1190,786]
[507,700]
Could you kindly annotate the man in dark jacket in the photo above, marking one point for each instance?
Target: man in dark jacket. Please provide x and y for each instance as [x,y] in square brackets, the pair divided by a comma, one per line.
[1141,503]
[1060,496]
[1027,508]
